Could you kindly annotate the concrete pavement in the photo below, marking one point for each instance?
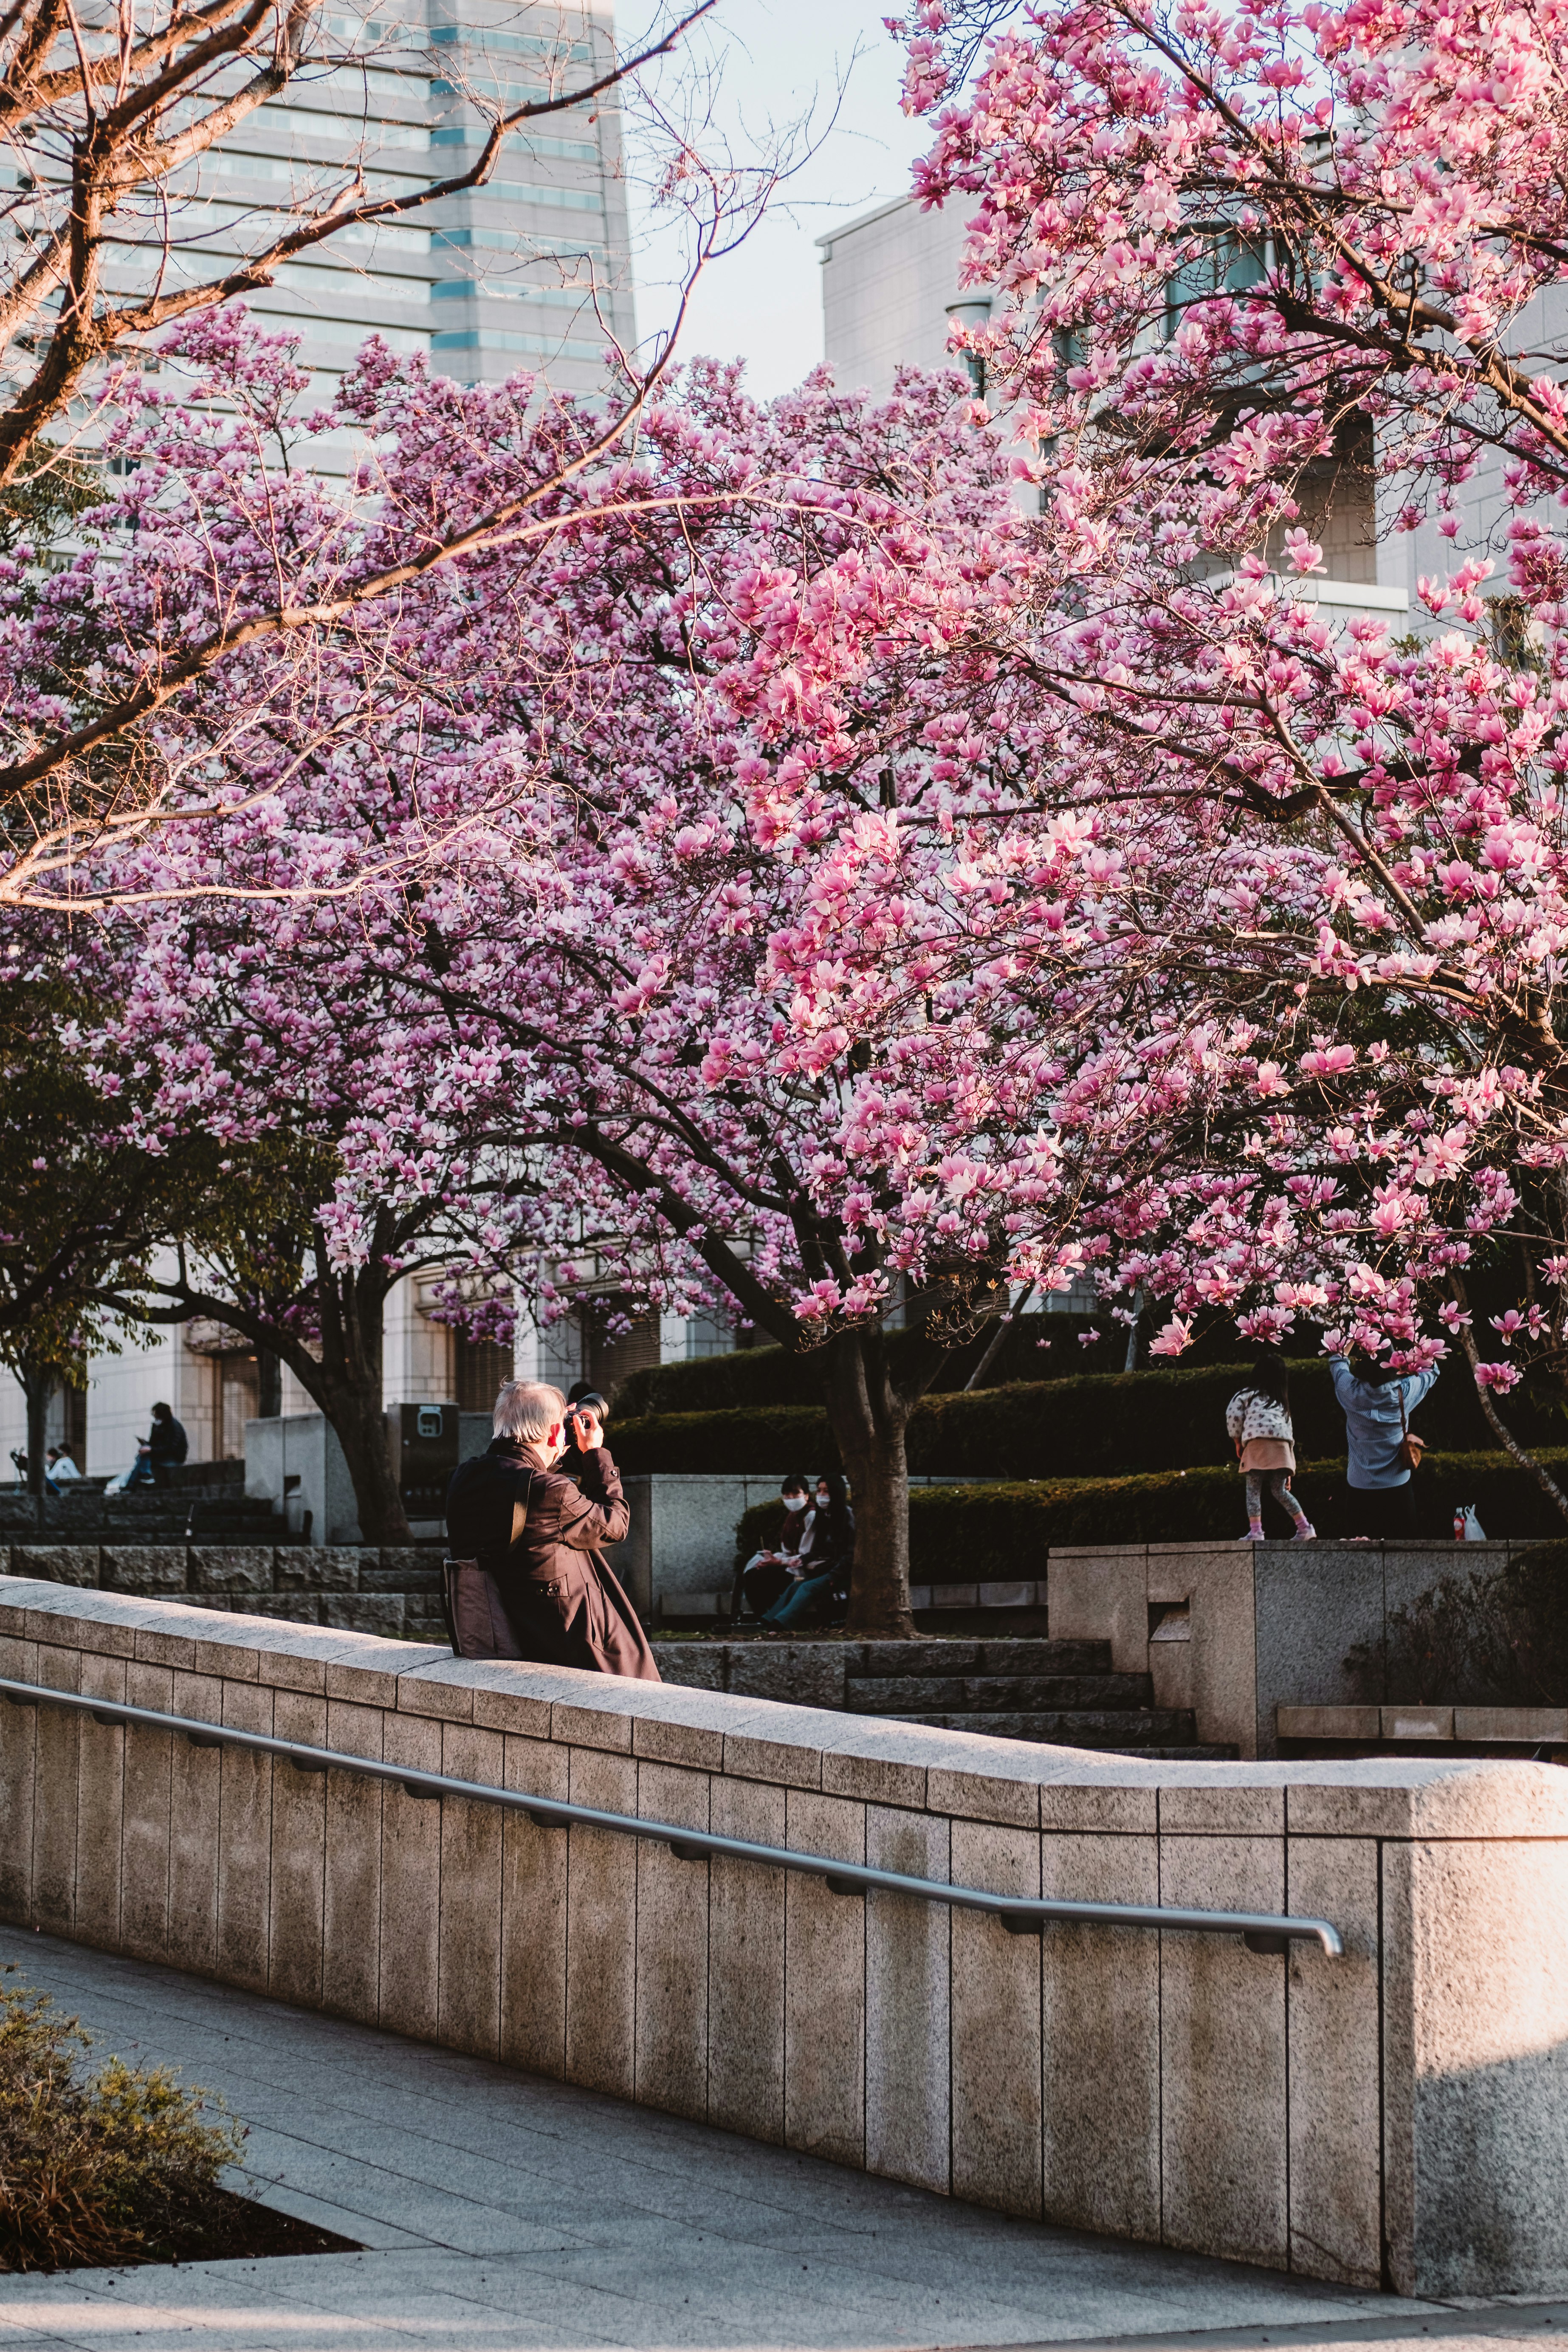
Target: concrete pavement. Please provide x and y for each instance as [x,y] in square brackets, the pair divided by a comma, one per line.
[501,2212]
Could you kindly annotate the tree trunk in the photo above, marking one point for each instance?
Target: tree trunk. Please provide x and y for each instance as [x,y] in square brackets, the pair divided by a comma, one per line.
[37,1387]
[358,1417]
[347,1385]
[1505,1437]
[868,1422]
[1005,1322]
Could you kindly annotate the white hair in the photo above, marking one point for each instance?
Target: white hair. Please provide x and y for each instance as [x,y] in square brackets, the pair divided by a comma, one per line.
[528,1409]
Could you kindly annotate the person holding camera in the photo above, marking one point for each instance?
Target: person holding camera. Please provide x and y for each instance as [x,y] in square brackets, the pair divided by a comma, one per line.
[526,1575]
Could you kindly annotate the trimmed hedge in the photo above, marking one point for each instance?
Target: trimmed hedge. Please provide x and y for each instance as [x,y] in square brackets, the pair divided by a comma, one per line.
[1118,1425]
[1037,1349]
[763,1441]
[768,1376]
[998,1534]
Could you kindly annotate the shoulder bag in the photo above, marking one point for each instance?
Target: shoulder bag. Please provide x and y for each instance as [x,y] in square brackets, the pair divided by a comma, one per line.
[1411,1448]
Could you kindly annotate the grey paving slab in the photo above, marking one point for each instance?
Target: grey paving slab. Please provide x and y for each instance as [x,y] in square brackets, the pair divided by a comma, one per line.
[499,2213]
[1490,2329]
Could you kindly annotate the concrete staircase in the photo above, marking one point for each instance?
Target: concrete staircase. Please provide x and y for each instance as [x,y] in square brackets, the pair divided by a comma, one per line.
[1063,1693]
[204,1502]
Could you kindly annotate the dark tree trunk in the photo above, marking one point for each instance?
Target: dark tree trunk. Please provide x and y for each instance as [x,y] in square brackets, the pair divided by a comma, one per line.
[347,1385]
[38,1387]
[1487,1403]
[357,1415]
[869,1422]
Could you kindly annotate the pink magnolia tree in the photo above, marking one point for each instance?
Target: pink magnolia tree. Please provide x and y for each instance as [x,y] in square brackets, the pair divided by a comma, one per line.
[763,961]
[110,123]
[1273,278]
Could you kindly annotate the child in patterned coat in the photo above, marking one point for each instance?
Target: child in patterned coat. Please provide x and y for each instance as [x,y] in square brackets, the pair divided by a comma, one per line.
[1259,1420]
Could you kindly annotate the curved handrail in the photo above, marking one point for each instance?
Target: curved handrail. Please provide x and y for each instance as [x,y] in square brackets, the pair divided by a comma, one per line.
[1021,1915]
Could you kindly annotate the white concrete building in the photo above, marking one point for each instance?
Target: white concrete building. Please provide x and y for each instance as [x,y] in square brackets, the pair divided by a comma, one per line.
[891,294]
[892,298]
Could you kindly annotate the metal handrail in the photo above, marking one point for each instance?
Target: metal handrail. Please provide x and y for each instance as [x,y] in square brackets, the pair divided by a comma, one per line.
[1021,1915]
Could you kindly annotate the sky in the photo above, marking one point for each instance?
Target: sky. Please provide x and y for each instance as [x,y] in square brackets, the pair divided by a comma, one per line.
[766,66]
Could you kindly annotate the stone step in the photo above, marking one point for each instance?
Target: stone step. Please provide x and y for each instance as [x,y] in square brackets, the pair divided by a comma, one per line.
[237,1523]
[1168,1729]
[994,1694]
[1215,1751]
[994,1657]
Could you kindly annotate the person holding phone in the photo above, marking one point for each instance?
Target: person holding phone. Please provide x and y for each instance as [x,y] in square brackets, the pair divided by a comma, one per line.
[526,1574]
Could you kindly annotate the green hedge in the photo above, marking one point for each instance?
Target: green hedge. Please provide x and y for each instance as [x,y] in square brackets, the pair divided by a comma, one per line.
[765,1441]
[1095,1425]
[984,1534]
[767,1376]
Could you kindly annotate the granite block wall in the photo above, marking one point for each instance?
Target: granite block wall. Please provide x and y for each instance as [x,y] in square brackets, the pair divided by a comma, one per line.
[394,1590]
[1393,2117]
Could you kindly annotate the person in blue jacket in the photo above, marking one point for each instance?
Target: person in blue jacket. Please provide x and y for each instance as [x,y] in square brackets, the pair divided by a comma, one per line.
[1378,1404]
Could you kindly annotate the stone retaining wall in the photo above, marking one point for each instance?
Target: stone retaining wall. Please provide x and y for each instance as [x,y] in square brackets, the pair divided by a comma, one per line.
[1396,2116]
[392,1591]
[1259,1626]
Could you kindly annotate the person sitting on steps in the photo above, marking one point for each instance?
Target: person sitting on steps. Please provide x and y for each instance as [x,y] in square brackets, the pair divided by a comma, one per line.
[822,1576]
[762,1579]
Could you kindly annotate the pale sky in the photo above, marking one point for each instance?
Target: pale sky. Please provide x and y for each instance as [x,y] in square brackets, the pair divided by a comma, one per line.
[762,66]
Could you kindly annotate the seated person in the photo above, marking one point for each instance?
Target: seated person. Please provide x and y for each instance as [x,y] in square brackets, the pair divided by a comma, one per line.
[60,1464]
[819,1583]
[762,1579]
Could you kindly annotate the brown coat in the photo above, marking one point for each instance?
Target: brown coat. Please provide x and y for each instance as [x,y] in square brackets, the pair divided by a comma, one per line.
[532,1583]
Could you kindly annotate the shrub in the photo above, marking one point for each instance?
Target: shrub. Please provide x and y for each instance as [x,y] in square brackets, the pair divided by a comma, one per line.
[1085,1388]
[1000,1533]
[1500,1638]
[761,1440]
[1118,1424]
[769,1376]
[99,2168]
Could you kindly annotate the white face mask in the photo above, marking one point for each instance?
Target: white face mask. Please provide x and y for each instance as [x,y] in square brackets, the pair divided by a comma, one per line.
[795,1502]
[822,1498]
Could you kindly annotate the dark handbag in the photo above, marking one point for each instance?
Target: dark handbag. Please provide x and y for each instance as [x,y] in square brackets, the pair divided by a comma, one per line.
[1411,1448]
[449,1567]
[449,1599]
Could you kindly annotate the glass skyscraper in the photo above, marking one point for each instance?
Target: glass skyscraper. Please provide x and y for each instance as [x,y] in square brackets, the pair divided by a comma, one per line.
[531,270]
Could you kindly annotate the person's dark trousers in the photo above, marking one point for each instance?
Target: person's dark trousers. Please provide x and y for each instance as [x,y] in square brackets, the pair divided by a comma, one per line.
[763,1584]
[162,1471]
[804,1604]
[1387,1514]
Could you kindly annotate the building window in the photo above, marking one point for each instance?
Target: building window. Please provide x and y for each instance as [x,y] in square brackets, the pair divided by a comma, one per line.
[480,1370]
[71,1405]
[707,1336]
[238,1400]
[1083,1298]
[610,1360]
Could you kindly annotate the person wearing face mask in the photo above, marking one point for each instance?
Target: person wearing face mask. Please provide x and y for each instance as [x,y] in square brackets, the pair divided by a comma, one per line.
[820,1579]
[526,1576]
[762,1579]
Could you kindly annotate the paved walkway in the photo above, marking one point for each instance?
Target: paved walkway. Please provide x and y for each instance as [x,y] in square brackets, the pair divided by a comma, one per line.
[499,2212]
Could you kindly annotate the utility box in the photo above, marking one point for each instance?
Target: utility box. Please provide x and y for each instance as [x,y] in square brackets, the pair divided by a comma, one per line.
[422,1441]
